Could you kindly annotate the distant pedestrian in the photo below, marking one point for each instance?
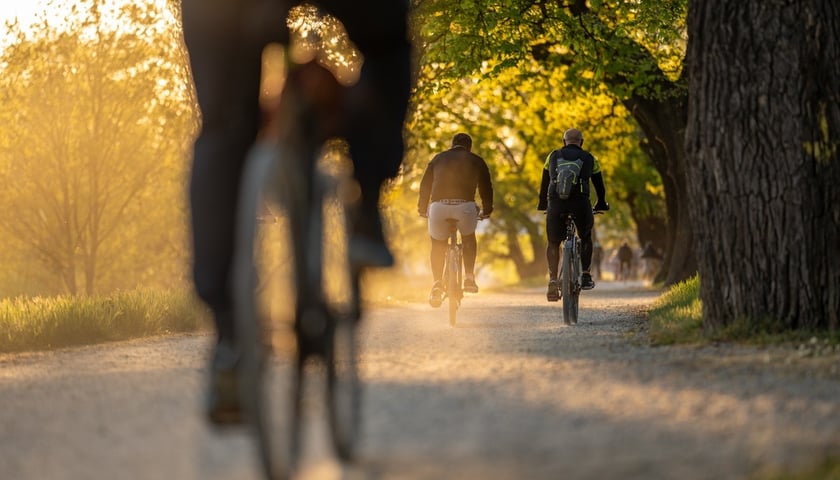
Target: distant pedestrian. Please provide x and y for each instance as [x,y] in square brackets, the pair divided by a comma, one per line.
[625,261]
[652,261]
[597,257]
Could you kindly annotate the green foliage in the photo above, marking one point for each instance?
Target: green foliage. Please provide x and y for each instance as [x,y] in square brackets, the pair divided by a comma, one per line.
[515,75]
[40,323]
[676,317]
[631,45]
[515,123]
[94,154]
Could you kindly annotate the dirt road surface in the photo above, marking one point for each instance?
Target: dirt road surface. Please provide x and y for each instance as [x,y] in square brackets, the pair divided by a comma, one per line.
[510,393]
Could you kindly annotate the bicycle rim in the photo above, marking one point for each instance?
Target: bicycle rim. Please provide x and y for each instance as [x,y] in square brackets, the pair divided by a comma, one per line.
[574,300]
[575,285]
[269,377]
[567,286]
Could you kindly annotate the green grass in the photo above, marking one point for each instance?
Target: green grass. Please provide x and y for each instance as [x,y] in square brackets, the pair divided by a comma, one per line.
[677,318]
[41,323]
[677,315]
[827,469]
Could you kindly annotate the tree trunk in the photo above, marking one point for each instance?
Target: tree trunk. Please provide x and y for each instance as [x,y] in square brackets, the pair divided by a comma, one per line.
[537,266]
[663,122]
[762,140]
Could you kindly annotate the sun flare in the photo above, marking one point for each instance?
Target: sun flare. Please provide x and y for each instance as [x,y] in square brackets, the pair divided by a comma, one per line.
[57,13]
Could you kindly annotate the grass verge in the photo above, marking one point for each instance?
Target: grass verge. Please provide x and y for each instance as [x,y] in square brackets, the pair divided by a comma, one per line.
[41,323]
[677,315]
[827,469]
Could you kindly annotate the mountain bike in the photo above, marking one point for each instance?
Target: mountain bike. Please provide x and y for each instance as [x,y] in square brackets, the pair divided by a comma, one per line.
[570,272]
[453,271]
[292,312]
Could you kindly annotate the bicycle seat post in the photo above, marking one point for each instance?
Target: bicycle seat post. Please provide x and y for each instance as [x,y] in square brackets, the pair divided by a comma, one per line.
[453,230]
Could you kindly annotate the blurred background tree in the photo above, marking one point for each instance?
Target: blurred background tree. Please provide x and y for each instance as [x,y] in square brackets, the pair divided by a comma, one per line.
[97,122]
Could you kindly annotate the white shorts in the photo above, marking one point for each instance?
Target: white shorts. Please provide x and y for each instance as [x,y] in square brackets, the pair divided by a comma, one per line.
[465,212]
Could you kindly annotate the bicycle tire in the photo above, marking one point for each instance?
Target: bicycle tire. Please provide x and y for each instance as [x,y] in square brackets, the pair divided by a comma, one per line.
[344,389]
[453,287]
[270,375]
[567,285]
[576,269]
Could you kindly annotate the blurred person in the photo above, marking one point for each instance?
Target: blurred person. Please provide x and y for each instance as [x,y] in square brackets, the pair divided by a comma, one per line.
[651,259]
[577,203]
[447,190]
[625,261]
[597,258]
[225,40]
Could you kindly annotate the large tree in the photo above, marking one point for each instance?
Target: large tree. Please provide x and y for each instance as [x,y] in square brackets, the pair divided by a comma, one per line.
[633,49]
[763,139]
[94,145]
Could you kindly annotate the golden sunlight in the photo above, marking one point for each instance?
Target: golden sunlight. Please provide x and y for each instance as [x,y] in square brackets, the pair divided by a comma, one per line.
[56,12]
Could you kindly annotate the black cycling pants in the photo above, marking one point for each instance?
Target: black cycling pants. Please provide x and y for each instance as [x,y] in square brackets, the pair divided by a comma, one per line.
[555,226]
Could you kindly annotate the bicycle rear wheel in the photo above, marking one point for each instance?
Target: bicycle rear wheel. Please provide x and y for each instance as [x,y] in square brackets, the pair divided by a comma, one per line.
[270,372]
[568,284]
[453,287]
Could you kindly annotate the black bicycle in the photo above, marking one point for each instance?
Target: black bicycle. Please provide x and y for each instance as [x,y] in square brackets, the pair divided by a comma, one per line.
[570,272]
[453,271]
[296,291]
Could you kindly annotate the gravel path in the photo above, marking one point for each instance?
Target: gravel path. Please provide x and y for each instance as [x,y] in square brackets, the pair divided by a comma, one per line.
[510,393]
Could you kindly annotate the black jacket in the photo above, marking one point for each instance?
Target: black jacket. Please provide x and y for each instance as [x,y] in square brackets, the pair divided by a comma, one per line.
[591,170]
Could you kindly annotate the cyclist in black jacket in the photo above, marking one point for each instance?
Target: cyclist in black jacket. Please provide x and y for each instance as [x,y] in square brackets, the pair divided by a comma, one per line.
[578,204]
[225,40]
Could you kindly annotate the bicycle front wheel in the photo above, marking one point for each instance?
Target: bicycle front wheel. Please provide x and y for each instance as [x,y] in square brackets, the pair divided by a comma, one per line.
[344,389]
[453,288]
[269,372]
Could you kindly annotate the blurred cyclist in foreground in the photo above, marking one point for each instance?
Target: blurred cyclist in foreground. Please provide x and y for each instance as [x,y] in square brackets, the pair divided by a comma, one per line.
[225,40]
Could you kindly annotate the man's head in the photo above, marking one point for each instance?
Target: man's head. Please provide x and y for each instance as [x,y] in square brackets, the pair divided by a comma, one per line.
[462,140]
[573,137]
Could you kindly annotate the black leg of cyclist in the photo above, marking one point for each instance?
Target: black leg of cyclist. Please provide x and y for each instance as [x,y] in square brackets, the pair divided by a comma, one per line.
[376,113]
[226,72]
[555,227]
[470,247]
[584,220]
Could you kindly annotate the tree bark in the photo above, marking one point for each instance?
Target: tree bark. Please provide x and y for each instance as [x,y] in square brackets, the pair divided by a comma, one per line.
[762,140]
[663,122]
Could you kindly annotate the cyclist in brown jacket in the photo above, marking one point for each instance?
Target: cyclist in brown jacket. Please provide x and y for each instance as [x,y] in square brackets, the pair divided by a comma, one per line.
[447,190]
